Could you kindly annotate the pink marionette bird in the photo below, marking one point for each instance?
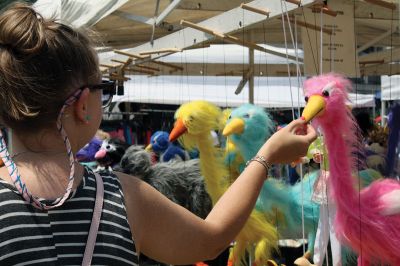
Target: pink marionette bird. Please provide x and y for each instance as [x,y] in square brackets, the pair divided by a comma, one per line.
[368,221]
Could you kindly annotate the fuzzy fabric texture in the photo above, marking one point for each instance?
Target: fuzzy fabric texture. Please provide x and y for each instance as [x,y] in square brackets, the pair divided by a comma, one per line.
[165,149]
[179,181]
[279,201]
[360,222]
[110,153]
[258,127]
[289,203]
[87,153]
[199,118]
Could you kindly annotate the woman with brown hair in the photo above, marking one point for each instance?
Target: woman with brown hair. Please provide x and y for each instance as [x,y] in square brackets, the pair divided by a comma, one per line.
[51,96]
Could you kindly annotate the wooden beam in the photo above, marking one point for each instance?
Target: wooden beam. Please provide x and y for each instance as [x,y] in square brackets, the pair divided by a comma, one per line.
[308,25]
[227,22]
[116,76]
[167,65]
[377,39]
[255,10]
[197,27]
[296,2]
[159,51]
[232,73]
[325,10]
[388,56]
[118,61]
[126,64]
[139,70]
[380,69]
[104,69]
[206,5]
[381,3]
[129,54]
[148,67]
[109,66]
[221,69]
[371,62]
[235,40]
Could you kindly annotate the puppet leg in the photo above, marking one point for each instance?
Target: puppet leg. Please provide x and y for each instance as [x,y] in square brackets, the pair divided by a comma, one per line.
[322,236]
[335,245]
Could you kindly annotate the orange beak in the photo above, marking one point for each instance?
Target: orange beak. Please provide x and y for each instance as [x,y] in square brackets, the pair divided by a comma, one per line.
[178,130]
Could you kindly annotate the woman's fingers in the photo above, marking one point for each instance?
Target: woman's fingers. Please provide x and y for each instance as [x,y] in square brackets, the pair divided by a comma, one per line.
[311,134]
[296,125]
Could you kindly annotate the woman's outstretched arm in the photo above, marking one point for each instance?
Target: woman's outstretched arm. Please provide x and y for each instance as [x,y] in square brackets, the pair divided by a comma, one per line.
[169,233]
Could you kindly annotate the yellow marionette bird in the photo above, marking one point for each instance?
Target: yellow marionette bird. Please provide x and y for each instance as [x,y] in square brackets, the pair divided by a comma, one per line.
[194,121]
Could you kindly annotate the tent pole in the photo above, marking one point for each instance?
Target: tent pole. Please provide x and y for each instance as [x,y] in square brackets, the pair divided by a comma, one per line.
[383,112]
[251,77]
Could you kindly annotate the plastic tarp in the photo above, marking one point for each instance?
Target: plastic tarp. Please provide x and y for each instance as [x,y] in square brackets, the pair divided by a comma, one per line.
[77,13]
[271,92]
[390,87]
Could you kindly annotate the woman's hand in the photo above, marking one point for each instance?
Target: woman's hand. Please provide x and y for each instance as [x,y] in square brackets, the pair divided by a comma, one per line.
[288,145]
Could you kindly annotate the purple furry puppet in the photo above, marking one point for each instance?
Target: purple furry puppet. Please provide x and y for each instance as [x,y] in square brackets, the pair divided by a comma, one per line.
[87,153]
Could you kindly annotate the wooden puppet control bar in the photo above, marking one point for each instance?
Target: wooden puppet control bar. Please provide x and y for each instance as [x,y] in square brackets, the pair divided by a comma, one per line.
[296,2]
[130,54]
[233,39]
[159,51]
[256,10]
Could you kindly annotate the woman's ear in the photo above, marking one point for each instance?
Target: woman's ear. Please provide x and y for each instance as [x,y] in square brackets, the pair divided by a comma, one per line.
[81,107]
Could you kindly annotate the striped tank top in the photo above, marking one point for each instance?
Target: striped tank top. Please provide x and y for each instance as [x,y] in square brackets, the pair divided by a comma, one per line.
[29,236]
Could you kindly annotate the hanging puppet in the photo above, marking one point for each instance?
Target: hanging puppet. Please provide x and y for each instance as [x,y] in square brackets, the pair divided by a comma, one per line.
[180,181]
[248,127]
[110,153]
[368,220]
[194,122]
[166,150]
[86,155]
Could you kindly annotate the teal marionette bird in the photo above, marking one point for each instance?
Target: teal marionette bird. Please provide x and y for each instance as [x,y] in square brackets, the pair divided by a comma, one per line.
[248,127]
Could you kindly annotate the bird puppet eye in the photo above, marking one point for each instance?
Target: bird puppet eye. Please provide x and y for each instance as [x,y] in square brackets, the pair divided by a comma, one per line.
[306,98]
[325,93]
[328,89]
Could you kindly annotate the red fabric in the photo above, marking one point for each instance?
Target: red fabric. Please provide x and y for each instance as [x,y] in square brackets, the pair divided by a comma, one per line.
[119,134]
[148,136]
[154,158]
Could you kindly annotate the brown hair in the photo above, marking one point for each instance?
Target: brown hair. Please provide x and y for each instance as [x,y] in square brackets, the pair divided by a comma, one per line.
[41,62]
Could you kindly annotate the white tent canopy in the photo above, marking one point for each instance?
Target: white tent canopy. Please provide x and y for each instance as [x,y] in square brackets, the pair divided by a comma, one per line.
[390,87]
[77,13]
[269,92]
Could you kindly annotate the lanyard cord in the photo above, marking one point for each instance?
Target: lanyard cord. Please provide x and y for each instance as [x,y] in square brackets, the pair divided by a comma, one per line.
[16,177]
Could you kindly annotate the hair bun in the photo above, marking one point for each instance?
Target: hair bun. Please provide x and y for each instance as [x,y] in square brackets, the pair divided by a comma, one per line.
[22,30]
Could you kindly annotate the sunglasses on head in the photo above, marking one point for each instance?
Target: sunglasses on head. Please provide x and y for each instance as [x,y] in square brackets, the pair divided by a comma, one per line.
[109,89]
